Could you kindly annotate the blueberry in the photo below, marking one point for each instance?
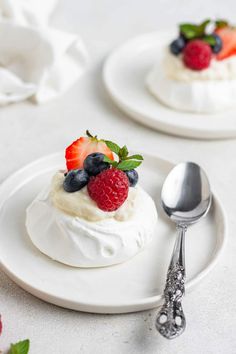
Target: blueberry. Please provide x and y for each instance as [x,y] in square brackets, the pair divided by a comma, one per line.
[132,176]
[94,163]
[218,45]
[177,45]
[75,180]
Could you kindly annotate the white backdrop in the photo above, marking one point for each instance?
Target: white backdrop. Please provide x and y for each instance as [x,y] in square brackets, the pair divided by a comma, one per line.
[28,132]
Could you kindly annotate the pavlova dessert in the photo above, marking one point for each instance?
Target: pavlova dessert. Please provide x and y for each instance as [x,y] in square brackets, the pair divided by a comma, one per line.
[198,71]
[93,214]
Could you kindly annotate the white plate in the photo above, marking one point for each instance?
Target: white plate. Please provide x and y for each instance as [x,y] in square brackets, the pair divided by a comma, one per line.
[132,286]
[124,76]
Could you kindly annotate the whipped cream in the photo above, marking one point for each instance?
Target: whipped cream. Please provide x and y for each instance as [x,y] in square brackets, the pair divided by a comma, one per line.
[79,242]
[80,204]
[207,91]
[218,70]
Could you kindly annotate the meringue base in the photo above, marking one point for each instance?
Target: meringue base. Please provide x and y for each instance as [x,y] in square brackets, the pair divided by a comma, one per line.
[197,96]
[81,243]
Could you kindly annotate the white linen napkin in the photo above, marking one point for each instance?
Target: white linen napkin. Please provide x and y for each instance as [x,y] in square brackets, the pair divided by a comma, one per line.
[36,61]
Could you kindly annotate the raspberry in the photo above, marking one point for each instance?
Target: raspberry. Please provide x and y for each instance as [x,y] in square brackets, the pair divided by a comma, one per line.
[197,55]
[109,189]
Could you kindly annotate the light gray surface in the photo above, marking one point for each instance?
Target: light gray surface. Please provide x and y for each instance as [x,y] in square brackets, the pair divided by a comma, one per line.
[28,132]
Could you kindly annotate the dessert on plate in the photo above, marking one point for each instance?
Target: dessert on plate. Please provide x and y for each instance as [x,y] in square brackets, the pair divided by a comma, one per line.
[95,213]
[198,70]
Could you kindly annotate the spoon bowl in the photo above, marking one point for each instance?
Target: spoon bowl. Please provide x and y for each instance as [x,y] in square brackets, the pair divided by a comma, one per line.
[186,193]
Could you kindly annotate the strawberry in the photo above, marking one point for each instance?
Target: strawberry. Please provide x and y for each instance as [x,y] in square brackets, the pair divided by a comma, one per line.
[109,189]
[228,37]
[76,153]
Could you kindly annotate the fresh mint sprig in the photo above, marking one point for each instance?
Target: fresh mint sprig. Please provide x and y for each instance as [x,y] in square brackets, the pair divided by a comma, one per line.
[127,165]
[192,31]
[125,162]
[134,157]
[21,347]
[210,39]
[113,146]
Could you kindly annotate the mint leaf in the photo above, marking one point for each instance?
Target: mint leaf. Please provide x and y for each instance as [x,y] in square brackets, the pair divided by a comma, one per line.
[202,27]
[21,347]
[106,159]
[125,162]
[111,162]
[134,157]
[112,146]
[211,40]
[123,152]
[221,23]
[127,165]
[188,30]
[191,31]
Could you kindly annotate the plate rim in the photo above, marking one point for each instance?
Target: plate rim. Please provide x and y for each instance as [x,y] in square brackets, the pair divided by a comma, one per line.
[166,127]
[139,304]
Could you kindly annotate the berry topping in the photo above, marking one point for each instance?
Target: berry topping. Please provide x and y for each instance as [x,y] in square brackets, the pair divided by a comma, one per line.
[75,180]
[132,176]
[217,46]
[94,163]
[177,45]
[107,180]
[81,148]
[109,189]
[198,41]
[197,55]
[228,38]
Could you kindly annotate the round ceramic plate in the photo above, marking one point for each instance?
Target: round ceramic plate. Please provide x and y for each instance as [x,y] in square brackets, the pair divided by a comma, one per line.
[132,286]
[124,76]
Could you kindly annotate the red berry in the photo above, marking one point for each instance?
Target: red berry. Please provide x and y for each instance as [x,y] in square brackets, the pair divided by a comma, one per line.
[77,152]
[109,189]
[228,37]
[0,325]
[197,55]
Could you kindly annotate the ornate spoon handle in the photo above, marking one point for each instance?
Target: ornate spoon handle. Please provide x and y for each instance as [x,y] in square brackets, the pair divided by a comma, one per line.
[170,321]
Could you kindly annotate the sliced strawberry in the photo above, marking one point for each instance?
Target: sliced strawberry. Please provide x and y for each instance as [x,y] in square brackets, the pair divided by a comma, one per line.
[77,152]
[228,37]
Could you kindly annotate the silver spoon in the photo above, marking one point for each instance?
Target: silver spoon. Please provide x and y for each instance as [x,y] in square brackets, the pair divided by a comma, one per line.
[186,197]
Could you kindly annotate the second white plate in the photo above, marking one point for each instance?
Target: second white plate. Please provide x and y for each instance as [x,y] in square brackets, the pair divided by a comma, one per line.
[124,76]
[132,286]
